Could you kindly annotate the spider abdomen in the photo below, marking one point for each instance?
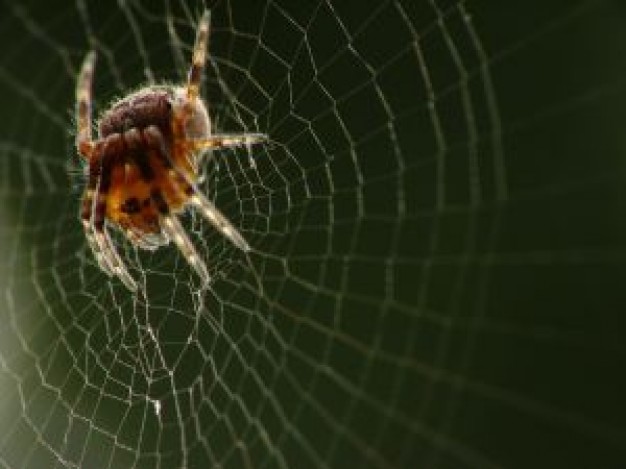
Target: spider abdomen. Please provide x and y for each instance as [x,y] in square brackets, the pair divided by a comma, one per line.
[141,173]
[151,106]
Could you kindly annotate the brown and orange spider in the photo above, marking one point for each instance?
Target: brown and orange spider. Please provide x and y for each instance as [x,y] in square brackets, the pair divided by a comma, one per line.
[142,169]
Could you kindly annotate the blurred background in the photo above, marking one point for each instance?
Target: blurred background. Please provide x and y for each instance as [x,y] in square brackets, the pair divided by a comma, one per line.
[438,231]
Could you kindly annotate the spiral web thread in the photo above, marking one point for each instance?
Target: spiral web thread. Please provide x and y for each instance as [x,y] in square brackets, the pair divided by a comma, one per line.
[347,337]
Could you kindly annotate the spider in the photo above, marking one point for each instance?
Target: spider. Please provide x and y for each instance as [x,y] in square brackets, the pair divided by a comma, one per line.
[142,169]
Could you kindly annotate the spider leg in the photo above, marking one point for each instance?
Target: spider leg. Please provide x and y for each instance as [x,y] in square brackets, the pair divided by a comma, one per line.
[86,212]
[112,257]
[106,249]
[175,231]
[83,105]
[194,77]
[94,201]
[218,220]
[228,140]
[196,197]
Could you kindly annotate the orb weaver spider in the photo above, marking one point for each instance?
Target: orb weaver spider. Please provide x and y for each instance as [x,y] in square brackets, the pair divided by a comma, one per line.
[142,169]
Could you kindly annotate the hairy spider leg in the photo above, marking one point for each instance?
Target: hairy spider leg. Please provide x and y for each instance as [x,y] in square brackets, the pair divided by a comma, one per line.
[103,241]
[218,220]
[83,105]
[156,140]
[94,201]
[170,223]
[97,239]
[208,210]
[175,231]
[216,141]
[194,77]
[87,207]
[111,256]
[194,80]
[136,151]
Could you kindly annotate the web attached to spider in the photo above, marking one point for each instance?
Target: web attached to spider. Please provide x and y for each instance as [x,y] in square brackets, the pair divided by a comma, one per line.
[420,280]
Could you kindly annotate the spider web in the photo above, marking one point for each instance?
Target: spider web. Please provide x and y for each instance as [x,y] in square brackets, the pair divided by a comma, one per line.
[437,231]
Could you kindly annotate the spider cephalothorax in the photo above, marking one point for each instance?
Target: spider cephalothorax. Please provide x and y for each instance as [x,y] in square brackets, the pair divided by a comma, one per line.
[141,170]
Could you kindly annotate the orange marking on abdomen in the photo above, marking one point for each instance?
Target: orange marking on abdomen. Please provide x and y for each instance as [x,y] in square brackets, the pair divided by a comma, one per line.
[127,184]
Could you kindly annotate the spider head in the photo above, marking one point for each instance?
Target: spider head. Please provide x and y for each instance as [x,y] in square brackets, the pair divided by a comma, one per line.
[192,115]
